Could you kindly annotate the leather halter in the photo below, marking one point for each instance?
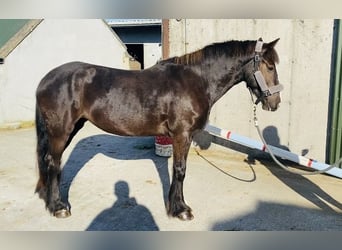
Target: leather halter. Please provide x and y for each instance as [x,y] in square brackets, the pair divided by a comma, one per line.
[266,91]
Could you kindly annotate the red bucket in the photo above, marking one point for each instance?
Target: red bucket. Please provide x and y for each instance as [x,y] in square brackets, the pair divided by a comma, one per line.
[163,146]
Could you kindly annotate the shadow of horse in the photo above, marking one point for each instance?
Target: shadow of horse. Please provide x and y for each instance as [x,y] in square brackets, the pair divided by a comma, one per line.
[269,216]
[116,147]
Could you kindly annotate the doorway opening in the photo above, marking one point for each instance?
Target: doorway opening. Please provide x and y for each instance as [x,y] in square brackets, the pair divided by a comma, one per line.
[137,52]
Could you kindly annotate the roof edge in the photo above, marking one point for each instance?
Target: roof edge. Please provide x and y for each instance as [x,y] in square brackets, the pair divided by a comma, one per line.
[133,22]
[15,40]
[114,33]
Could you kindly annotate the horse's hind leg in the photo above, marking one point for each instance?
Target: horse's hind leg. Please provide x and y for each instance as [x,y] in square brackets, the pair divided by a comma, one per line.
[50,175]
[50,147]
[177,206]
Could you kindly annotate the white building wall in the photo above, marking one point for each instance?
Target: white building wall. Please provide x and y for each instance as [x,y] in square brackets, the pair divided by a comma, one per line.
[304,49]
[52,43]
[152,54]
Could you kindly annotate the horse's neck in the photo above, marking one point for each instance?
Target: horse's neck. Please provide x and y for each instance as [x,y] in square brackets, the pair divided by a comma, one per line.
[221,75]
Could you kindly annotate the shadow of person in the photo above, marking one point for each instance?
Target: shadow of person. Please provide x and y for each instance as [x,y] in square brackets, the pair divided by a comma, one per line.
[298,183]
[125,214]
[116,147]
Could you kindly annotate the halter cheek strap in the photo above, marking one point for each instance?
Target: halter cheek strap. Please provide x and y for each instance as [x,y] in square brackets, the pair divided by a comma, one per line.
[266,91]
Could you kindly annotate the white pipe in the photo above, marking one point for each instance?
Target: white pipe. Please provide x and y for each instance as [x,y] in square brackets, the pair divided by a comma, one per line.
[284,154]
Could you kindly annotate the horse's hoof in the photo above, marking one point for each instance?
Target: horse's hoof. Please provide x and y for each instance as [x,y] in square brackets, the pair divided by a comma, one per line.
[185,216]
[62,213]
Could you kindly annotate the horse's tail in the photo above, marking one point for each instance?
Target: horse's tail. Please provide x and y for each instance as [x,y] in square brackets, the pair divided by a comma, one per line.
[42,150]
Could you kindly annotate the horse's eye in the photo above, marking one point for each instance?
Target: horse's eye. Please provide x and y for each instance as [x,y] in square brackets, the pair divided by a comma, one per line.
[270,68]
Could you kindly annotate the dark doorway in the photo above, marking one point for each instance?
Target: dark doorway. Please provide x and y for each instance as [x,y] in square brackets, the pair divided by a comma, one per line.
[137,52]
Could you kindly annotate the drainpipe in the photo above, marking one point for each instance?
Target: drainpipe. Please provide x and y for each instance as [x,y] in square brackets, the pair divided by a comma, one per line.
[165,38]
[335,145]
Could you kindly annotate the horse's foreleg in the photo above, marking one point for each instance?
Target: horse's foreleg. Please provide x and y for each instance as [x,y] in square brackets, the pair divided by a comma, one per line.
[177,206]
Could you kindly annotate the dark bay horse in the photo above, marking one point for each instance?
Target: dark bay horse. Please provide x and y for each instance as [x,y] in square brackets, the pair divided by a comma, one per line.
[172,98]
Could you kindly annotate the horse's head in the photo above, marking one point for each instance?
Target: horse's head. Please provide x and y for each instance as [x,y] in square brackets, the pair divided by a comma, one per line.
[261,75]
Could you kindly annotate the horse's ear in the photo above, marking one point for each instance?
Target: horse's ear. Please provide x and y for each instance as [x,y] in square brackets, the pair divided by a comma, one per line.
[273,43]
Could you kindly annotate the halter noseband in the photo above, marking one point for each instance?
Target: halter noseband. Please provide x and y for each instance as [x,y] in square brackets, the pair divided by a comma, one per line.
[266,91]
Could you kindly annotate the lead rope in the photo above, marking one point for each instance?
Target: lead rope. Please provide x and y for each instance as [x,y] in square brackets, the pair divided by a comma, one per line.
[256,124]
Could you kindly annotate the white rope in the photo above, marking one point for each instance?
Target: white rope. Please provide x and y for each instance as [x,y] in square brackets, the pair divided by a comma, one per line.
[278,162]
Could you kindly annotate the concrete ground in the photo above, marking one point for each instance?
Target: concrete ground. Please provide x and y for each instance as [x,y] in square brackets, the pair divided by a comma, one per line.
[117,183]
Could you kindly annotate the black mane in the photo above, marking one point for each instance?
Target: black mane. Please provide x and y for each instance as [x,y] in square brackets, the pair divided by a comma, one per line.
[231,48]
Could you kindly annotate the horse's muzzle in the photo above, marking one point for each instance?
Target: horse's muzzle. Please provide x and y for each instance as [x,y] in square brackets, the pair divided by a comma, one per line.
[271,103]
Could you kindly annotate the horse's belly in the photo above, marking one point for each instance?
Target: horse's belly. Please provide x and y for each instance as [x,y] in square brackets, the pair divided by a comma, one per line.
[126,124]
